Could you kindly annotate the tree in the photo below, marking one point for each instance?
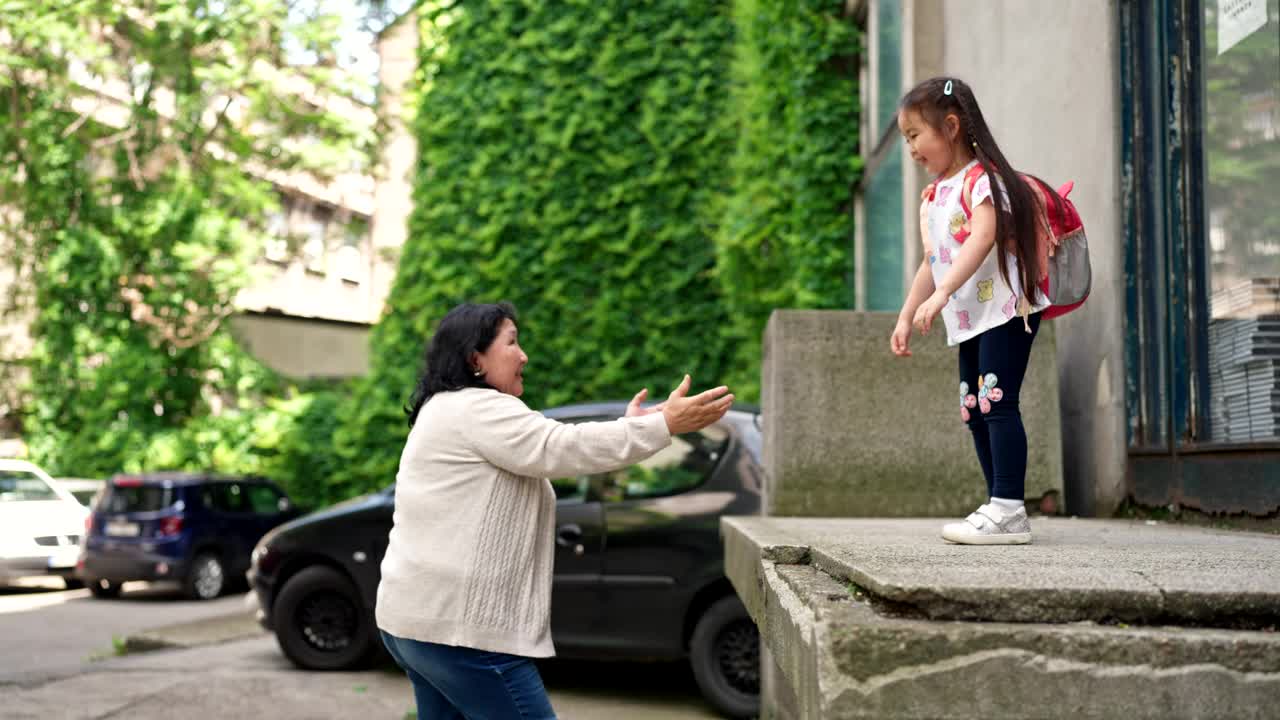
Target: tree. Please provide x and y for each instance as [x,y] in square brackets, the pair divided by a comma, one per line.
[136,145]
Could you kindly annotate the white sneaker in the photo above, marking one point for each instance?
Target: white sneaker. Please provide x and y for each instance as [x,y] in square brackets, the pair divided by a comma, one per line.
[988,525]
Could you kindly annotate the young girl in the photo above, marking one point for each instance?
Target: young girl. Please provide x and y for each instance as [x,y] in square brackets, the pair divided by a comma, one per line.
[979,221]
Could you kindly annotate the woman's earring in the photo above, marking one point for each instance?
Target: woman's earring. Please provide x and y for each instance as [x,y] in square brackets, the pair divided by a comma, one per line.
[479,373]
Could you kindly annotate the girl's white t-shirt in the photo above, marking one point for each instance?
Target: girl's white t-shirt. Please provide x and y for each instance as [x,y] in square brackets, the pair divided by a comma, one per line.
[986,300]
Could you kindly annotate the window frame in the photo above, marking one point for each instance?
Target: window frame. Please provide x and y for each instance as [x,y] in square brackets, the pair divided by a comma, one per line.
[1167,290]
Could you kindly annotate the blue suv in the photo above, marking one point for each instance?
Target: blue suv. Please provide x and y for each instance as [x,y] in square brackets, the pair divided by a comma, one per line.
[194,528]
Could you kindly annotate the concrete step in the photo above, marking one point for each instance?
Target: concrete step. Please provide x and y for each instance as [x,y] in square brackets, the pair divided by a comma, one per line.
[1095,619]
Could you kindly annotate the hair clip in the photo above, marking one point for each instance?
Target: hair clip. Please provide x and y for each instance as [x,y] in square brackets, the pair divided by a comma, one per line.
[946,89]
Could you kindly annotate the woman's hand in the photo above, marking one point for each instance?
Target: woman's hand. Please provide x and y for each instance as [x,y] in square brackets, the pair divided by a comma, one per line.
[687,414]
[900,341]
[634,409]
[929,310]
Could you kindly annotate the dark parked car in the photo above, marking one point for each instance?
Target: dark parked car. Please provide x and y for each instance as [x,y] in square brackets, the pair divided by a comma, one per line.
[639,570]
[195,528]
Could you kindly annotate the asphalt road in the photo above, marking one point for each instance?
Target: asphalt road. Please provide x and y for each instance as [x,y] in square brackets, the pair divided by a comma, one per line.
[57,660]
[46,630]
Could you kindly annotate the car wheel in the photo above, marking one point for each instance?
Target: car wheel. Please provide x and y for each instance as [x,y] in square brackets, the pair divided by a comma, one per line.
[320,623]
[104,589]
[725,655]
[72,583]
[206,579]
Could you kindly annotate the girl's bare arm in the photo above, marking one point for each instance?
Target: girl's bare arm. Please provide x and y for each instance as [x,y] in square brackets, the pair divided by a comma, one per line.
[921,289]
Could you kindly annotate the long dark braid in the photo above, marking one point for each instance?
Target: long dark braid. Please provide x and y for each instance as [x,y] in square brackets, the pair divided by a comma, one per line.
[1018,218]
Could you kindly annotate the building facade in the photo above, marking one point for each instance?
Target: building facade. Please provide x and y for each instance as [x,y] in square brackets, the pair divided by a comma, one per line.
[1165,113]
[327,267]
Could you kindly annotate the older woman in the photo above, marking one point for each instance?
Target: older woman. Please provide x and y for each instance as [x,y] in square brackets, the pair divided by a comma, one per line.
[464,602]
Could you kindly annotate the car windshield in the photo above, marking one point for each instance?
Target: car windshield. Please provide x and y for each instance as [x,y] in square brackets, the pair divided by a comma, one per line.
[20,485]
[136,498]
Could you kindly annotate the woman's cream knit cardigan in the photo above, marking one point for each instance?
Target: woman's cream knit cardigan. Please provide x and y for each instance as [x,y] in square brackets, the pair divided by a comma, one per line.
[469,562]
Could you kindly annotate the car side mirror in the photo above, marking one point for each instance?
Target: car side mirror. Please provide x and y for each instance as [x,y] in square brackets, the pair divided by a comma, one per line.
[284,505]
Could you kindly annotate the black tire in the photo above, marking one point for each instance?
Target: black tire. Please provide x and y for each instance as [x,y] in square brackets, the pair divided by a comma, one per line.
[72,583]
[725,654]
[207,577]
[104,589]
[320,623]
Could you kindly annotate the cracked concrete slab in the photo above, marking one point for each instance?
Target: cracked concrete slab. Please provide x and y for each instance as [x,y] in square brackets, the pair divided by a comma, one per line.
[835,648]
[1104,570]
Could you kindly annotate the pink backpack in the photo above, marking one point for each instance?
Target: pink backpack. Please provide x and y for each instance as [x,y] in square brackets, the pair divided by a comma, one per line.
[1064,250]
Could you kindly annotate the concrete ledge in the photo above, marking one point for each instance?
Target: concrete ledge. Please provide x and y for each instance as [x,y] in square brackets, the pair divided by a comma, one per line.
[837,649]
[1076,569]
[853,431]
[764,543]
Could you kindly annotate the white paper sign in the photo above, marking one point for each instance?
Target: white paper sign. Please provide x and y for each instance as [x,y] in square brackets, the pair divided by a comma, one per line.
[1238,19]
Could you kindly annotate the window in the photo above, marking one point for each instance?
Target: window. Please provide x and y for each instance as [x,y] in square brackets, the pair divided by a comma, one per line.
[888,60]
[313,226]
[575,489]
[350,258]
[19,486]
[264,500]
[884,232]
[350,264]
[136,498]
[681,466]
[225,497]
[1241,121]
[880,231]
[276,247]
[571,489]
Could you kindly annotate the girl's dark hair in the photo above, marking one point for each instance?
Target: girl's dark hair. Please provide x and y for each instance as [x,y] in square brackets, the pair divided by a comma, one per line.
[468,328]
[1017,221]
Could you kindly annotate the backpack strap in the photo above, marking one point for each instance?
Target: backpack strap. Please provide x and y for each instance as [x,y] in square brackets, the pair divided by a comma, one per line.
[966,188]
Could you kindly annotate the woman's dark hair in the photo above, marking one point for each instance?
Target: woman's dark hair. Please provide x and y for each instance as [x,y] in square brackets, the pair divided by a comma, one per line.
[468,328]
[1018,220]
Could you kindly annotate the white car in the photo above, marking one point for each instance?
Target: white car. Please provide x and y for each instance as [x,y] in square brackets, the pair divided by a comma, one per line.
[41,524]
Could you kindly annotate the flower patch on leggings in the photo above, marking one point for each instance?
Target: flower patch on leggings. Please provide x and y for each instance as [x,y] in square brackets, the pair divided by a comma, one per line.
[988,392]
[967,400]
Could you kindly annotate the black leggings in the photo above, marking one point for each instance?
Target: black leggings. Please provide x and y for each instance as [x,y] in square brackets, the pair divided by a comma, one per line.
[992,366]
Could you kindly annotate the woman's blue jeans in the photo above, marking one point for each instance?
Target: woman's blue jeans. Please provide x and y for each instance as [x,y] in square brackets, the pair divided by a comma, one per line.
[459,683]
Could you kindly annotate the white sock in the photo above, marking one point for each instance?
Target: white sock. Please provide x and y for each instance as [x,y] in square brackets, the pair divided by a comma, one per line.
[1008,507]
